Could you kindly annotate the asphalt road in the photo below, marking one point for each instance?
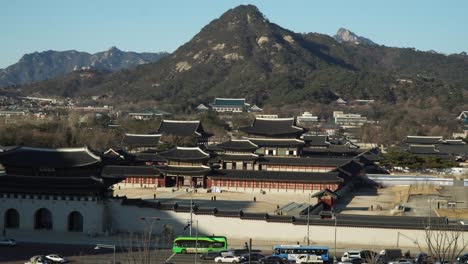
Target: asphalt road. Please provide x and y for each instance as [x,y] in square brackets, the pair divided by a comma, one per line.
[22,252]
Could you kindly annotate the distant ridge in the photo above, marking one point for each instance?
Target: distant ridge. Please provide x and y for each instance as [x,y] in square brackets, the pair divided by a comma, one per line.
[242,54]
[44,65]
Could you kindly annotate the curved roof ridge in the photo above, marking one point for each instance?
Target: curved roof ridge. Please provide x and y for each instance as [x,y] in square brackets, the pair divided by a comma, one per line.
[275,119]
[440,137]
[225,98]
[181,121]
[194,148]
[277,139]
[143,135]
[241,154]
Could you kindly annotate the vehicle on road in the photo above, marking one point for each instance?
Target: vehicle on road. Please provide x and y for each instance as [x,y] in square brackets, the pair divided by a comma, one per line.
[401,261]
[291,252]
[57,258]
[421,258]
[210,255]
[227,259]
[253,257]
[353,261]
[308,259]
[349,255]
[273,260]
[7,242]
[40,259]
[463,259]
[388,255]
[203,244]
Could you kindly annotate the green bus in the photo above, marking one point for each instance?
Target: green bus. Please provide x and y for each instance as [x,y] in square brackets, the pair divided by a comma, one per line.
[203,244]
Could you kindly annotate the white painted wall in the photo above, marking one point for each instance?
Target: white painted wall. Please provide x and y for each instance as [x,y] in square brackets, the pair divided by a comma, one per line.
[128,218]
[388,180]
[93,212]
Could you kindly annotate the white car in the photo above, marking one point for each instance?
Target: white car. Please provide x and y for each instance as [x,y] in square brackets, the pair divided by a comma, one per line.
[56,258]
[7,242]
[227,259]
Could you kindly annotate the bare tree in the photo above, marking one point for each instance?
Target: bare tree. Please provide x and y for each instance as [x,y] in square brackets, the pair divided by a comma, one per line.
[444,241]
[142,248]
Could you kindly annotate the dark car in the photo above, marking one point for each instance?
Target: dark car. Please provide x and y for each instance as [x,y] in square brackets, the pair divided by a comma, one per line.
[357,261]
[273,260]
[463,258]
[210,255]
[253,256]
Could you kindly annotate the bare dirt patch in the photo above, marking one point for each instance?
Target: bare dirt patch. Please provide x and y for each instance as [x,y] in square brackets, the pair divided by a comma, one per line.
[453,213]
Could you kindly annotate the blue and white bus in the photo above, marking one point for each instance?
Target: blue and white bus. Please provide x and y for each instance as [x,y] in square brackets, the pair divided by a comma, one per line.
[293,252]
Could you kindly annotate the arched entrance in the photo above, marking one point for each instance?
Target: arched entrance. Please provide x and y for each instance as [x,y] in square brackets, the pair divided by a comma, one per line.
[43,219]
[75,222]
[12,218]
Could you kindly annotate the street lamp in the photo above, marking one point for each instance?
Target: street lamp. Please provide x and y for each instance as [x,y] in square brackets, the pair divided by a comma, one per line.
[336,220]
[99,246]
[308,220]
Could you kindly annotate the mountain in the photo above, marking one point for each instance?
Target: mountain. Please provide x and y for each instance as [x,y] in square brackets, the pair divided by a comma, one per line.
[346,35]
[49,64]
[243,54]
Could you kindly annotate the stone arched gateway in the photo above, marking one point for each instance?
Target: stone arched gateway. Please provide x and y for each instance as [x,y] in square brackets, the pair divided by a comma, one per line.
[12,218]
[43,219]
[75,222]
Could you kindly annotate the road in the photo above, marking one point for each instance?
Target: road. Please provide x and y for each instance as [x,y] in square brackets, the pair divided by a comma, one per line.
[22,252]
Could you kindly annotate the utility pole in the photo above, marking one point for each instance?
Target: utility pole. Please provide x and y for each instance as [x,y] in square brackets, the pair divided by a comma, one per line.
[250,250]
[191,210]
[334,257]
[308,221]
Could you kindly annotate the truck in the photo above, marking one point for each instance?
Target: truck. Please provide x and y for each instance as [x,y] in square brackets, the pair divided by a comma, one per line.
[309,259]
[388,255]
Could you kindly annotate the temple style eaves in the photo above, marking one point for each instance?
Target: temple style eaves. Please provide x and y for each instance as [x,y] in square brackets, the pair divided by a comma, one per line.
[49,158]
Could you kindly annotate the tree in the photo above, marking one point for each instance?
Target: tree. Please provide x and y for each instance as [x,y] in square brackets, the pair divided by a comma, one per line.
[444,241]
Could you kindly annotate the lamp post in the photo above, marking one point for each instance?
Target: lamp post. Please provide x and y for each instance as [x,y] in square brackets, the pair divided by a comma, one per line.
[336,220]
[99,246]
[308,220]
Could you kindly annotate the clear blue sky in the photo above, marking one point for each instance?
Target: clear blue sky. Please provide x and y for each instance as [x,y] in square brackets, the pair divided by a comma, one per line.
[156,25]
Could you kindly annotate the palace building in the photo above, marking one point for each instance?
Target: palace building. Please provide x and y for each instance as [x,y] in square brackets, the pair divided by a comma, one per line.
[184,129]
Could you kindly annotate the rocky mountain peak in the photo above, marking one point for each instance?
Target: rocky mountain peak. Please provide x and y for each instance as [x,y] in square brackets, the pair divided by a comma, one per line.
[346,35]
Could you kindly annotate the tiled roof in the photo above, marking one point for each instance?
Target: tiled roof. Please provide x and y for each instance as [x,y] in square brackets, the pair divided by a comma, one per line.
[231,102]
[238,145]
[48,158]
[327,162]
[317,141]
[152,157]
[237,157]
[55,185]
[182,128]
[276,142]
[141,140]
[185,154]
[127,171]
[273,127]
[326,192]
[283,176]
[423,149]
[181,170]
[453,149]
[423,140]
[331,150]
